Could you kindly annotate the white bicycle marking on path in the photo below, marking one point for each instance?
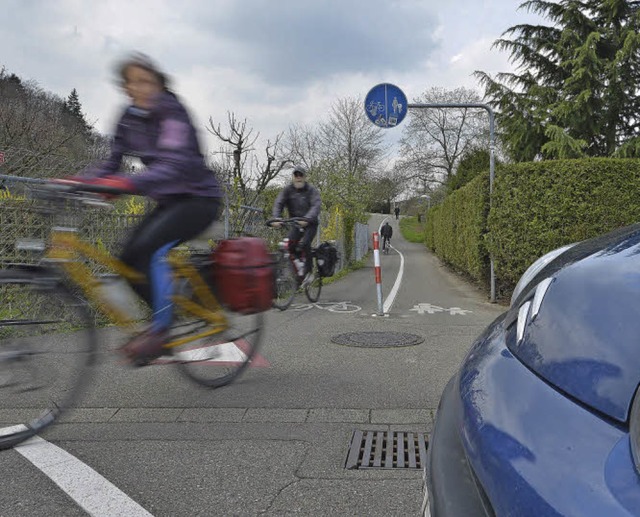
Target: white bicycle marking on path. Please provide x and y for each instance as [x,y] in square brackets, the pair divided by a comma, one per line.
[343,307]
[428,308]
[95,494]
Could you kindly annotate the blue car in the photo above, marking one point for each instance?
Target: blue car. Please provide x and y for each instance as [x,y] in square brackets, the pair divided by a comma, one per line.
[543,417]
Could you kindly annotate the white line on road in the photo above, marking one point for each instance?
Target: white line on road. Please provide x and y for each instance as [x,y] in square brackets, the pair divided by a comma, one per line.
[95,494]
[396,286]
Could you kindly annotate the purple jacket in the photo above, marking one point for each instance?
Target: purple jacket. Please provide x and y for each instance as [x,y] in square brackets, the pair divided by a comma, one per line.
[165,140]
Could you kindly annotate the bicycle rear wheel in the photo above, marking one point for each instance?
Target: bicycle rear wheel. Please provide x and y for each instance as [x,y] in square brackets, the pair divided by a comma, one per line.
[214,355]
[47,344]
[286,283]
[312,290]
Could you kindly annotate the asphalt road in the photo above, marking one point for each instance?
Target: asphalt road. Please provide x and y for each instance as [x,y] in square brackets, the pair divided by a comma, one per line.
[147,442]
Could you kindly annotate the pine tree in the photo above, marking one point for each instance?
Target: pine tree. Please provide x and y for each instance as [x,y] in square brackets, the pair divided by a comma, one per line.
[575,92]
[73,106]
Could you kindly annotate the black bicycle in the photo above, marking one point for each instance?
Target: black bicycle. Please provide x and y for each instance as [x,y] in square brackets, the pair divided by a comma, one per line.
[386,244]
[289,273]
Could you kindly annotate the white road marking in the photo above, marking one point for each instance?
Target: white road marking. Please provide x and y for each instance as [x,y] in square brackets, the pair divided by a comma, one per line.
[95,494]
[429,308]
[224,352]
[396,286]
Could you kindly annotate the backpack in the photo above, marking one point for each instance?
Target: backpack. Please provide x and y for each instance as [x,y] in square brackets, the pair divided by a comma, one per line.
[327,258]
[243,275]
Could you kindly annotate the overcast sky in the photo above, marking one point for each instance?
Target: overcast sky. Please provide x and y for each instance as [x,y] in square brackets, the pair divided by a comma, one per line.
[274,62]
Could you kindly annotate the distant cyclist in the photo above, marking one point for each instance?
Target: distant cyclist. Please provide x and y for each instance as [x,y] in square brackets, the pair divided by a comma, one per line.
[386,232]
[301,200]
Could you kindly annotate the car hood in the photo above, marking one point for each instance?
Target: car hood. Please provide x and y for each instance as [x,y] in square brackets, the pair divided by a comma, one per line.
[585,338]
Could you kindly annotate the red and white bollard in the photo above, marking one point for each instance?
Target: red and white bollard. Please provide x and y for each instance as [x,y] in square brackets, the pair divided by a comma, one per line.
[376,262]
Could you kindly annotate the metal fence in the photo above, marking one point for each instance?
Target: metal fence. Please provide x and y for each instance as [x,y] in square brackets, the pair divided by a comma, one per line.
[24,227]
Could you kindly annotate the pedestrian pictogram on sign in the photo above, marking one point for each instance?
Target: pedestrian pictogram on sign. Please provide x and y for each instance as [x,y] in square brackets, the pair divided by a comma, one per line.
[386,105]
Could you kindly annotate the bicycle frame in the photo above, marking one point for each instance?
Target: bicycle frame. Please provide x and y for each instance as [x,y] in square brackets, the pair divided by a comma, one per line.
[65,249]
[288,247]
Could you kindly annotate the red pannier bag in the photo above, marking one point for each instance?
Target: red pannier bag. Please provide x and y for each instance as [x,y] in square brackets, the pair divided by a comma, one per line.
[243,274]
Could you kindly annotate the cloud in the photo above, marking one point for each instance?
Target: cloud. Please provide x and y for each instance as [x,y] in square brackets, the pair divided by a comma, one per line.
[275,62]
[296,42]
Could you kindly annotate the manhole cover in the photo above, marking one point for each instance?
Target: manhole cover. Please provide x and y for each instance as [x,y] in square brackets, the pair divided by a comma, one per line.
[377,339]
[387,450]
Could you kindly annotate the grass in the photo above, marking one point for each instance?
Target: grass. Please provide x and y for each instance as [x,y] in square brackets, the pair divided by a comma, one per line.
[412,230]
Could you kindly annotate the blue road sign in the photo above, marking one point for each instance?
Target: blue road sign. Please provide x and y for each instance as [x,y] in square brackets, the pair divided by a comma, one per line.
[386,105]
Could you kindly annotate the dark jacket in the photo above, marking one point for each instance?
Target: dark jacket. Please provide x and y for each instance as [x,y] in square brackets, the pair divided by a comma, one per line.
[165,140]
[386,230]
[304,202]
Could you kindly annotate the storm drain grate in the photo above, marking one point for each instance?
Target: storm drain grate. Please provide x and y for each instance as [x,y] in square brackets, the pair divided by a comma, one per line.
[387,450]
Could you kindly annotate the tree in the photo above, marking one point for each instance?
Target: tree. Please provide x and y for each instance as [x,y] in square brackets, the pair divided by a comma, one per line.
[474,161]
[73,106]
[575,89]
[435,139]
[247,176]
[384,188]
[350,140]
[38,135]
[343,153]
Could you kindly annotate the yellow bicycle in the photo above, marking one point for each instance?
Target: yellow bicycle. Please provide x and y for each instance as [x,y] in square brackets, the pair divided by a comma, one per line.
[47,337]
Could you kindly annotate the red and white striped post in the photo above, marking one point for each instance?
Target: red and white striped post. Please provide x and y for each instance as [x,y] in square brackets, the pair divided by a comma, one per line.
[376,262]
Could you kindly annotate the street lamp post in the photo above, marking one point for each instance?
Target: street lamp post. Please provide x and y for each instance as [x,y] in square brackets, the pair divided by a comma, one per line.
[491,161]
[428,198]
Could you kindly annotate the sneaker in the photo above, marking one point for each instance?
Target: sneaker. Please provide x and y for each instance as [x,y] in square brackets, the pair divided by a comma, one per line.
[146,347]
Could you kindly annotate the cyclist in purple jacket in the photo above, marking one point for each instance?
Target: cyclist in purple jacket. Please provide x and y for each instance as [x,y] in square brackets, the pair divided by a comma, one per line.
[157,128]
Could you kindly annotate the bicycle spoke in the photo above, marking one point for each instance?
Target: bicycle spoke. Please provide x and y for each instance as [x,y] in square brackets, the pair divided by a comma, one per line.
[43,358]
[286,283]
[216,360]
[313,289]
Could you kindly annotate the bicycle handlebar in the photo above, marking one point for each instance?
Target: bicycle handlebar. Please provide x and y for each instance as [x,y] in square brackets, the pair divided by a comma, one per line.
[62,185]
[291,220]
[72,186]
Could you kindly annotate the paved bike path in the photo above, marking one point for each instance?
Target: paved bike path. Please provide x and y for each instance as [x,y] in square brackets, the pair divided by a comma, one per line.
[275,442]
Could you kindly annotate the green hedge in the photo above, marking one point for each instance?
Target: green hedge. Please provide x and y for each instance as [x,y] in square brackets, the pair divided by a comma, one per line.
[537,207]
[455,229]
[540,206]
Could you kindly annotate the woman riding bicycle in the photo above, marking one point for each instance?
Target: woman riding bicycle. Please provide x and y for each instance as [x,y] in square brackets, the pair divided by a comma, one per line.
[301,200]
[157,128]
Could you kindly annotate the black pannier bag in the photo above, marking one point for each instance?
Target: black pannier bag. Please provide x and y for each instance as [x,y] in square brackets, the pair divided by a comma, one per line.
[327,258]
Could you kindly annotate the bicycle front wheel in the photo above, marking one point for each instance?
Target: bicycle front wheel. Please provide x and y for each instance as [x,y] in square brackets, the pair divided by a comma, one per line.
[47,344]
[312,290]
[286,283]
[214,355]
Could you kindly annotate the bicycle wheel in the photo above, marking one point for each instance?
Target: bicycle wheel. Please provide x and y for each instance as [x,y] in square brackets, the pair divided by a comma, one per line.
[313,289]
[216,354]
[47,344]
[286,283]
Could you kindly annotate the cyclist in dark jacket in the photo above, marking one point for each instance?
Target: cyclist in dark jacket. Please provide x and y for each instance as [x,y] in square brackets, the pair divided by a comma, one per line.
[386,232]
[301,200]
[157,128]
